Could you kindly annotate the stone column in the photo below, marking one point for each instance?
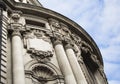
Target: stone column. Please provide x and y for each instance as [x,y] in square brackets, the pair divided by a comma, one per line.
[17,57]
[64,63]
[79,75]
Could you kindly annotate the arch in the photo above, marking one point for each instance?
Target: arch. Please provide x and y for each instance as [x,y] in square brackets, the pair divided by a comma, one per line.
[44,73]
[29,66]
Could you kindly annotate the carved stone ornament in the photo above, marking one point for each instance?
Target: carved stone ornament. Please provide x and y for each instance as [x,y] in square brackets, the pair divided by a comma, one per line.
[16,15]
[19,26]
[39,34]
[57,38]
[65,30]
[43,75]
[36,38]
[68,42]
[42,35]
[40,56]
[54,23]
[76,39]
[15,26]
[95,59]
[101,70]
[87,45]
[16,32]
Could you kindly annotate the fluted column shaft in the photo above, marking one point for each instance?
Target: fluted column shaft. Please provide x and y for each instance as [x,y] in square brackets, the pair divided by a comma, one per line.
[18,66]
[64,64]
[80,78]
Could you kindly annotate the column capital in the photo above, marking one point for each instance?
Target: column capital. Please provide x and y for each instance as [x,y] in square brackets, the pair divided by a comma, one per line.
[68,43]
[16,29]
[57,38]
[16,33]
[56,41]
[68,46]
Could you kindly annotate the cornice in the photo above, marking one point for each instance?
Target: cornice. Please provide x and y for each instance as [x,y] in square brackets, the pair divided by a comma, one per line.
[47,13]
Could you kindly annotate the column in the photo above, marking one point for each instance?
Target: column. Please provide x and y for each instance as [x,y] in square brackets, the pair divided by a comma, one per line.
[17,57]
[64,63]
[79,75]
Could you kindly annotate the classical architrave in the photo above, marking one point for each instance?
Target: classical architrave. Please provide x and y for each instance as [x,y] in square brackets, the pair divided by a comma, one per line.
[50,47]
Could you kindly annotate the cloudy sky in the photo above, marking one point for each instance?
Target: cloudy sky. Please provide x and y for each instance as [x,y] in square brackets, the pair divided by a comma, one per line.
[101,19]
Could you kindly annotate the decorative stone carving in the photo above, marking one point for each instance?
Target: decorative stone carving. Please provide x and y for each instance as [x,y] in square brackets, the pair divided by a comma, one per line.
[77,44]
[44,75]
[101,70]
[68,42]
[35,38]
[28,35]
[76,38]
[40,56]
[16,32]
[65,30]
[15,26]
[95,59]
[84,47]
[57,38]
[39,34]
[16,15]
[54,23]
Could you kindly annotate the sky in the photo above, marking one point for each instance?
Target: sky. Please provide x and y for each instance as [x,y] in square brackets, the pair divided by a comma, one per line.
[101,19]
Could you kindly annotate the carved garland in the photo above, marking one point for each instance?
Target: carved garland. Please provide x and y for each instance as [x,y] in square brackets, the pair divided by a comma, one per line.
[40,56]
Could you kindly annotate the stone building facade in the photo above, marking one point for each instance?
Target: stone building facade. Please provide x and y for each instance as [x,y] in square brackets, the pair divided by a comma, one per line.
[40,46]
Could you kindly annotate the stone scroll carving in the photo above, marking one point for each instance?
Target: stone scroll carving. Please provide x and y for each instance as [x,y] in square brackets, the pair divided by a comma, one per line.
[38,45]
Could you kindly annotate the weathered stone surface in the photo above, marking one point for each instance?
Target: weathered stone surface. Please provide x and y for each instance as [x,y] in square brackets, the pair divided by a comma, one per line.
[40,46]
